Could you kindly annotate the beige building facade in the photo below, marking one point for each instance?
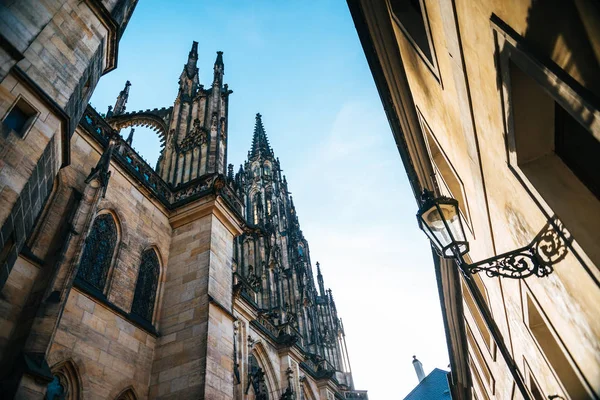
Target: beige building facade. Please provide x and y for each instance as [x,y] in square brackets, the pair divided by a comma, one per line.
[496,104]
[123,281]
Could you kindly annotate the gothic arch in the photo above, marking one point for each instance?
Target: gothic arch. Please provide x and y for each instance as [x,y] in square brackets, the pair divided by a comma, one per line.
[146,119]
[127,394]
[100,250]
[66,383]
[148,284]
[264,360]
[308,391]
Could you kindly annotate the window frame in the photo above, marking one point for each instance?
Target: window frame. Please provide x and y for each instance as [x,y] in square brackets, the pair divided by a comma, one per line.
[102,293]
[432,64]
[526,294]
[573,98]
[31,120]
[490,386]
[427,131]
[153,317]
[491,346]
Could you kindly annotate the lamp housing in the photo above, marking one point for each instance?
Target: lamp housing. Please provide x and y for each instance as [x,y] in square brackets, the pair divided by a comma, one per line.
[440,219]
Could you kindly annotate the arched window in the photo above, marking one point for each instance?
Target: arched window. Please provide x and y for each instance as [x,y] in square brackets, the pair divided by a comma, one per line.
[65,385]
[269,204]
[146,286]
[98,252]
[127,394]
[267,170]
[258,208]
[256,380]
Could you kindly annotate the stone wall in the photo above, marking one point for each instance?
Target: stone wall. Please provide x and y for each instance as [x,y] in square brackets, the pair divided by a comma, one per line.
[96,333]
[110,352]
[52,54]
[194,356]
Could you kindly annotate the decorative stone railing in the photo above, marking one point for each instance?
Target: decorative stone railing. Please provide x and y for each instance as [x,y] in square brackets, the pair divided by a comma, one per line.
[133,163]
[318,368]
[356,394]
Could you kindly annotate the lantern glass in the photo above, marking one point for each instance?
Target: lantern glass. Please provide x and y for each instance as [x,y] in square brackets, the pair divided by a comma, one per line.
[440,220]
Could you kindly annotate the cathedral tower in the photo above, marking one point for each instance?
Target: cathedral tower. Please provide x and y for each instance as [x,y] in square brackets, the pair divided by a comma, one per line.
[193,130]
[273,267]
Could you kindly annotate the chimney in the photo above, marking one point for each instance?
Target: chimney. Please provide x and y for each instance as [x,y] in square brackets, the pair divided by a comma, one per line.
[418,368]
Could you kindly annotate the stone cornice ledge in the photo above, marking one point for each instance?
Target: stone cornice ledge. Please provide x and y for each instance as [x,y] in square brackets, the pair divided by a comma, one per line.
[208,205]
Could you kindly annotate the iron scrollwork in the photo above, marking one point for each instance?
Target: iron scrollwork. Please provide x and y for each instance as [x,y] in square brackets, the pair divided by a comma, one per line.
[549,247]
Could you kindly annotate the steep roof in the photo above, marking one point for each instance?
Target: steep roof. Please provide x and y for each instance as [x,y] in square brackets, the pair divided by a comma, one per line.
[433,387]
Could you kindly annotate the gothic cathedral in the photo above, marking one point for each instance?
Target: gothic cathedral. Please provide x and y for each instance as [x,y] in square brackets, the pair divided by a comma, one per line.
[123,281]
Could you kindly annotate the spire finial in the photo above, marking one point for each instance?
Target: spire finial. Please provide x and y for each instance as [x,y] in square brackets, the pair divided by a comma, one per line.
[320,280]
[121,100]
[219,70]
[129,139]
[100,172]
[219,60]
[191,67]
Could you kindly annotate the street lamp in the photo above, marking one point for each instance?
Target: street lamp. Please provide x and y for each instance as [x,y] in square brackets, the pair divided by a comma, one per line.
[440,219]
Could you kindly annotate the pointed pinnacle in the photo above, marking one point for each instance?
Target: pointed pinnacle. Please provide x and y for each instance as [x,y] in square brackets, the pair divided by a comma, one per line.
[219,60]
[260,143]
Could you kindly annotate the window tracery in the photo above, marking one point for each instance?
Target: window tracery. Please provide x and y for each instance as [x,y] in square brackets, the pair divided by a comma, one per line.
[146,286]
[256,379]
[65,385]
[98,252]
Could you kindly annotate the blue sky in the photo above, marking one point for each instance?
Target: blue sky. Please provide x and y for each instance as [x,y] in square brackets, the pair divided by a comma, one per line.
[300,64]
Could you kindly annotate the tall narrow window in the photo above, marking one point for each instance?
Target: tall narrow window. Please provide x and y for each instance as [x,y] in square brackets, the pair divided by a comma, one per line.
[411,17]
[146,286]
[477,316]
[484,369]
[554,353]
[98,252]
[256,379]
[447,178]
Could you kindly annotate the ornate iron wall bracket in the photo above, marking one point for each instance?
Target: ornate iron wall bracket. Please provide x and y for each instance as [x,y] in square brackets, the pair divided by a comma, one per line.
[538,258]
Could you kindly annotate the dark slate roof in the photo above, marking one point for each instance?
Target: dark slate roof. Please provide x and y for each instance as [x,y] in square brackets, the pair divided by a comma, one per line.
[433,387]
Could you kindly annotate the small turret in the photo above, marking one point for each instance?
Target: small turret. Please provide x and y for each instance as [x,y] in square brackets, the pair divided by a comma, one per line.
[189,80]
[119,107]
[219,70]
[192,64]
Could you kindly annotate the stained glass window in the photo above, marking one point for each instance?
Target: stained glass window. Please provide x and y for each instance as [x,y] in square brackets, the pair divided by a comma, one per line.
[98,252]
[146,286]
[55,390]
[256,378]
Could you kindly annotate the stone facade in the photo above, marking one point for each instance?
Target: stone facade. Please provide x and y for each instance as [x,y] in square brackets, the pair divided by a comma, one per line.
[495,103]
[120,281]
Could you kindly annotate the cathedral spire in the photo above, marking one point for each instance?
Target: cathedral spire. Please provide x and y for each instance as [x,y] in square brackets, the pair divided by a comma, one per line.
[260,143]
[320,280]
[121,100]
